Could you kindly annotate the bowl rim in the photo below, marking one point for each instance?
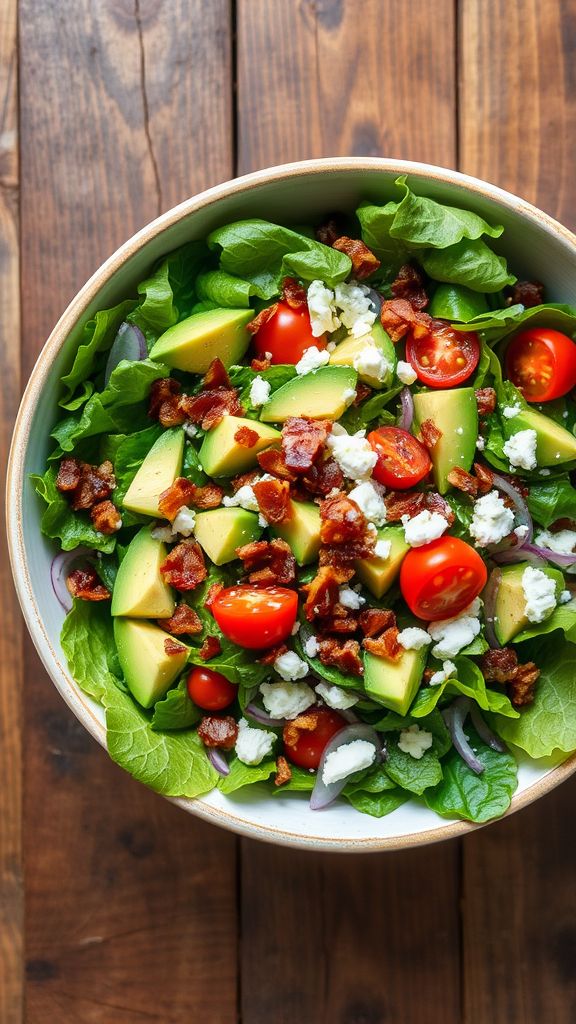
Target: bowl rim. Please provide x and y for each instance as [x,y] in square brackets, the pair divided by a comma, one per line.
[58,672]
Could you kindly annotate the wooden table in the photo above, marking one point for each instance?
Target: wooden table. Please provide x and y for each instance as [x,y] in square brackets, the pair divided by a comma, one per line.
[114,905]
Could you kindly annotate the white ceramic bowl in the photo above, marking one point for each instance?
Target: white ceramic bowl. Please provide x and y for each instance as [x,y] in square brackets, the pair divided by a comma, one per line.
[537,247]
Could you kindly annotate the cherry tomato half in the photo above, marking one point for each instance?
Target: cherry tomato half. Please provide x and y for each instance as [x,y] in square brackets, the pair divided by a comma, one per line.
[210,690]
[542,364]
[287,335]
[308,748]
[402,460]
[443,357]
[255,617]
[438,580]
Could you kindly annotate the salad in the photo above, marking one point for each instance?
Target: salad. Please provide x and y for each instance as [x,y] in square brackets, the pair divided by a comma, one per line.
[311,489]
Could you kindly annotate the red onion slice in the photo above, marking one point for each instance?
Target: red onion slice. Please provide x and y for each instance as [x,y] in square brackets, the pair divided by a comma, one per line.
[552,556]
[454,716]
[60,569]
[489,598]
[324,794]
[512,555]
[521,512]
[484,732]
[128,344]
[261,716]
[218,761]
[407,413]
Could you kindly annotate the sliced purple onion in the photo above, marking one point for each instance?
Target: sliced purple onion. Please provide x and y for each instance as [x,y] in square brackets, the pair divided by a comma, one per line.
[455,716]
[128,344]
[218,761]
[489,597]
[261,716]
[349,715]
[521,512]
[60,569]
[324,794]
[484,732]
[513,555]
[551,556]
[407,413]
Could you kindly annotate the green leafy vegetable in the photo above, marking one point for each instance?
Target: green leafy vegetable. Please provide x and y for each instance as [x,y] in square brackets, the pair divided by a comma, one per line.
[59,521]
[245,774]
[129,456]
[551,500]
[468,681]
[87,640]
[470,263]
[359,417]
[463,794]
[175,711]
[423,223]
[97,337]
[224,289]
[500,322]
[412,773]
[377,804]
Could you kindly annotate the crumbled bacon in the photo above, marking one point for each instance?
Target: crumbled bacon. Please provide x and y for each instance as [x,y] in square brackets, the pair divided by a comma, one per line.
[403,503]
[183,493]
[246,437]
[342,621]
[184,567]
[342,521]
[165,402]
[398,316]
[362,392]
[322,593]
[105,517]
[260,365]
[245,480]
[485,400]
[374,621]
[218,731]
[293,293]
[343,654]
[69,475]
[323,477]
[328,232]
[499,666]
[270,656]
[409,284]
[522,687]
[306,722]
[272,461]
[430,434]
[85,584]
[302,441]
[342,559]
[485,478]
[183,621]
[213,591]
[268,562]
[172,648]
[216,376]
[211,646]
[283,771]
[386,645]
[273,497]
[463,481]
[364,262]
[528,293]
[93,483]
[434,502]
[209,407]
[262,318]
[207,496]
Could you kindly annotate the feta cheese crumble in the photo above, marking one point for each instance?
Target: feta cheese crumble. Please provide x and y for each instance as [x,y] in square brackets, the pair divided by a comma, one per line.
[492,519]
[413,638]
[415,741]
[311,647]
[406,372]
[563,542]
[540,594]
[371,362]
[321,309]
[510,411]
[347,759]
[565,597]
[259,392]
[183,522]
[191,430]
[243,498]
[286,699]
[452,635]
[355,306]
[289,666]
[312,359]
[335,697]
[369,498]
[353,453]
[520,449]
[348,598]
[253,745]
[446,672]
[480,443]
[382,549]
[423,528]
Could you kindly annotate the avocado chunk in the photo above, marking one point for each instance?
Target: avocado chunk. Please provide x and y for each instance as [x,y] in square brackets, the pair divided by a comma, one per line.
[378,574]
[158,471]
[509,610]
[321,394]
[346,352]
[193,343]
[394,683]
[148,670]
[554,444]
[222,530]
[455,413]
[302,531]
[139,589]
[221,455]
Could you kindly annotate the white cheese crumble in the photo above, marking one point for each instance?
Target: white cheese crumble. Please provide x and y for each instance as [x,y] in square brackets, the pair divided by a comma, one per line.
[335,697]
[348,598]
[369,498]
[382,549]
[510,411]
[423,528]
[565,597]
[544,472]
[356,310]
[452,635]
[521,532]
[446,672]
[252,745]
[415,741]
[371,362]
[413,638]
[259,391]
[406,372]
[289,666]
[311,647]
[321,309]
[353,453]
[492,520]
[347,759]
[243,498]
[183,522]
[480,443]
[520,449]
[191,430]
[163,533]
[286,699]
[563,542]
[312,359]
[348,395]
[539,592]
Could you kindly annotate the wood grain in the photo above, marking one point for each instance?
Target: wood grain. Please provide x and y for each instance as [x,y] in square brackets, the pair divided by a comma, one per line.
[131,905]
[11,895]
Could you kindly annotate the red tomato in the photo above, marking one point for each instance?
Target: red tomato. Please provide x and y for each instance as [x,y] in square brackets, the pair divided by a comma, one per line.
[210,690]
[287,335]
[308,748]
[438,580]
[443,357]
[542,364]
[402,460]
[255,617]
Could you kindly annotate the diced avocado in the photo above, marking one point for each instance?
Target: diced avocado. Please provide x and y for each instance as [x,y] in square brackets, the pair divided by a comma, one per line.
[139,589]
[158,471]
[321,394]
[193,343]
[394,683]
[221,455]
[345,353]
[509,611]
[378,574]
[455,413]
[149,671]
[222,530]
[302,531]
[554,444]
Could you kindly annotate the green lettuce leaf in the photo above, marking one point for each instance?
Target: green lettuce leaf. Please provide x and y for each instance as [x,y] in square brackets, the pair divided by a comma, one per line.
[498,323]
[222,289]
[359,417]
[175,711]
[468,681]
[245,774]
[433,723]
[87,640]
[423,223]
[97,336]
[563,618]
[59,522]
[551,500]
[169,293]
[372,780]
[241,377]
[375,224]
[377,804]
[463,794]
[410,773]
[470,263]
[302,781]
[191,466]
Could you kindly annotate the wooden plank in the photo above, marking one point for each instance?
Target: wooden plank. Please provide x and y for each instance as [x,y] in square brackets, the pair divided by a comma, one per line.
[325,938]
[131,904]
[11,902]
[518,115]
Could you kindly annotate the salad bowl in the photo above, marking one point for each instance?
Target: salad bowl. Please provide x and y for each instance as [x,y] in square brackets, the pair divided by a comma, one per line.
[303,192]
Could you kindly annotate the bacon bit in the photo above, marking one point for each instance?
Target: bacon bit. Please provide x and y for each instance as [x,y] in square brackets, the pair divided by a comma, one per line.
[216,376]
[485,400]
[273,497]
[385,646]
[342,520]
[341,622]
[246,437]
[211,646]
[268,561]
[463,481]
[69,475]
[322,593]
[172,647]
[305,722]
[434,502]
[85,584]
[409,285]
[362,392]
[272,461]
[398,316]
[430,434]
[521,689]
[375,620]
[218,731]
[207,496]
[105,517]
[344,655]
[275,652]
[485,478]
[293,293]
[245,479]
[260,365]
[94,483]
[165,402]
[341,560]
[183,621]
[183,493]
[262,318]
[328,233]
[403,503]
[209,407]
[528,293]
[302,441]
[184,567]
[213,591]
[499,666]
[364,262]
[323,478]
[283,771]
